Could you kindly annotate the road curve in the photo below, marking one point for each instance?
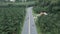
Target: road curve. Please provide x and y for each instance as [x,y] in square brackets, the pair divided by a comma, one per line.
[29,24]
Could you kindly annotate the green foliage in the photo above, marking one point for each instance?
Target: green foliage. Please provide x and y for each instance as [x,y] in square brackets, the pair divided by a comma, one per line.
[48,24]
[11,20]
[47,5]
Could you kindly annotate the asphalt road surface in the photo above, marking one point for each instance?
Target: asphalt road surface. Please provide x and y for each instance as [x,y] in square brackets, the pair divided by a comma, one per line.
[29,25]
[32,23]
[25,29]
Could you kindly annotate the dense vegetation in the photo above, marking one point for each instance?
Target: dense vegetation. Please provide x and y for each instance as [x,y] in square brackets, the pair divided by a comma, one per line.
[11,20]
[17,0]
[48,24]
[21,3]
[50,6]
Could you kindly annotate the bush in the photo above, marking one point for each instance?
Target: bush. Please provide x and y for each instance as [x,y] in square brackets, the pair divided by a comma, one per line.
[48,24]
[11,20]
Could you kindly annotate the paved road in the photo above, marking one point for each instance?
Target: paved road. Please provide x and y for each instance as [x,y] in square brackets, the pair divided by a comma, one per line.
[29,25]
[32,23]
[26,24]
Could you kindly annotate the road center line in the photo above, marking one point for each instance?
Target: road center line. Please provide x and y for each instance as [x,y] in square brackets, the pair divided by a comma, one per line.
[29,23]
